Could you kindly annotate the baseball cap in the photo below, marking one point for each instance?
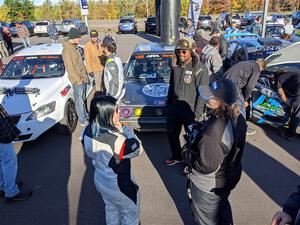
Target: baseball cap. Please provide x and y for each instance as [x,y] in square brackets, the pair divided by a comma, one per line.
[223,89]
[94,33]
[74,33]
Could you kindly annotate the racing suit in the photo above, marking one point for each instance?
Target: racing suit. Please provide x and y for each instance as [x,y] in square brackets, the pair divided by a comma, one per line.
[215,160]
[183,102]
[113,77]
[111,153]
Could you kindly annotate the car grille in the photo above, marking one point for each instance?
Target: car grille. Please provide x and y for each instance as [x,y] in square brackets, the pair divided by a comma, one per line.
[149,111]
[15,118]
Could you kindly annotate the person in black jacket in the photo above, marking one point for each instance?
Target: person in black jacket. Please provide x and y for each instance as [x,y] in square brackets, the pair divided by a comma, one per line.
[290,211]
[183,103]
[215,154]
[245,75]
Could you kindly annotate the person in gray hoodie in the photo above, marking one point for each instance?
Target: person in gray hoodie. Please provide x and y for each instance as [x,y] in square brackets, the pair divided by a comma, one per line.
[212,59]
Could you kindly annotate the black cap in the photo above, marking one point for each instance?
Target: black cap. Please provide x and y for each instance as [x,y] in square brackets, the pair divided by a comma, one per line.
[74,33]
[110,44]
[94,33]
[223,89]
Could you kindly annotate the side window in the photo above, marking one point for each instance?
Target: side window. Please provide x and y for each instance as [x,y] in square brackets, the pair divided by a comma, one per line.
[231,48]
[239,53]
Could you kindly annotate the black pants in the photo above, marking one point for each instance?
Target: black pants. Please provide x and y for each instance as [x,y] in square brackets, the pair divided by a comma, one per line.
[179,113]
[209,208]
[295,116]
[10,48]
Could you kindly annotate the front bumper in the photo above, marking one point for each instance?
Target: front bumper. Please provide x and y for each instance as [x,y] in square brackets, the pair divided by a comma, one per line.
[151,124]
[32,129]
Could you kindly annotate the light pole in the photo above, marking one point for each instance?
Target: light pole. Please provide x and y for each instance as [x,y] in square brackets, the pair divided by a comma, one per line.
[266,7]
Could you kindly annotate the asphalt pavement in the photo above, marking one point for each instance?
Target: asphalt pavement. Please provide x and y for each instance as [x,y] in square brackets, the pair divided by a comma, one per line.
[61,176]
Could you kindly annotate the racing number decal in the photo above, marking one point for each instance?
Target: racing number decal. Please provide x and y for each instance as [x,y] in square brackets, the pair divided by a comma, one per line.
[65,91]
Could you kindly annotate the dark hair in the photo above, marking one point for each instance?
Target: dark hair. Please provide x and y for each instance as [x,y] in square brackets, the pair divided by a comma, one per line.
[102,110]
[226,110]
[214,41]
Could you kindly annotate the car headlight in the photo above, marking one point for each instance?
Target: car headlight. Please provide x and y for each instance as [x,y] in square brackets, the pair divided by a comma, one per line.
[138,112]
[42,111]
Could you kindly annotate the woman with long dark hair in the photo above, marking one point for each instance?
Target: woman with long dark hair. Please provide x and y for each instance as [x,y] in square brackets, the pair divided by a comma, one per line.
[214,153]
[111,146]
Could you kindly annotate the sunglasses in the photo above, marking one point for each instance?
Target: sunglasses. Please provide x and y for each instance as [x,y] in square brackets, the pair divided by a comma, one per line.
[184,52]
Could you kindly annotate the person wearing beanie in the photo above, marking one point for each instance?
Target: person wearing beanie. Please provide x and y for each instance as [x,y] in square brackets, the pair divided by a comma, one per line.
[77,73]
[183,103]
[92,53]
[113,76]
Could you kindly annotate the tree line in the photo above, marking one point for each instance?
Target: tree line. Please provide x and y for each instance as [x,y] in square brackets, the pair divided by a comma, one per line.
[16,10]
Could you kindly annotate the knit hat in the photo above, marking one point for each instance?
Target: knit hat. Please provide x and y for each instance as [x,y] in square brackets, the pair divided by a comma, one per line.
[94,33]
[74,33]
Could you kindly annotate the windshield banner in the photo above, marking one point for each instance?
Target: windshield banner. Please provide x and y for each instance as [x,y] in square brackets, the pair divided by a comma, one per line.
[194,11]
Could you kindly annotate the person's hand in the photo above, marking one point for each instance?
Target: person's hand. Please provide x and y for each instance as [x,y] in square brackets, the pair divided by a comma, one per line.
[118,125]
[281,218]
[246,104]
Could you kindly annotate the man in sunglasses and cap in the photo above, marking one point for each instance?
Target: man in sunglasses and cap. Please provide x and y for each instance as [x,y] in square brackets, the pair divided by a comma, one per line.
[93,52]
[183,103]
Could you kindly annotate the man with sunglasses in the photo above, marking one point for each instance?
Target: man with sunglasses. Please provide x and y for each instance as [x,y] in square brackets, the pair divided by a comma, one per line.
[184,106]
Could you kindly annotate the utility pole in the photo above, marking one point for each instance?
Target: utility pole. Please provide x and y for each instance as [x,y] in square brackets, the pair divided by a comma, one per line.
[266,7]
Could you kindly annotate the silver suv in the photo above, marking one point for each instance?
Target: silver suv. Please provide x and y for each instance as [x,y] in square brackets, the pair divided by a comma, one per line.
[76,23]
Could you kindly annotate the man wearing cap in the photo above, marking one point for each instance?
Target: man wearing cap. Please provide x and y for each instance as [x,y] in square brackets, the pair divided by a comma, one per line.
[223,48]
[214,152]
[189,30]
[113,76]
[76,73]
[183,103]
[201,42]
[93,52]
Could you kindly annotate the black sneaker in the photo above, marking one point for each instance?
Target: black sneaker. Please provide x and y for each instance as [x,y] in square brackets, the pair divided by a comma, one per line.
[19,183]
[21,196]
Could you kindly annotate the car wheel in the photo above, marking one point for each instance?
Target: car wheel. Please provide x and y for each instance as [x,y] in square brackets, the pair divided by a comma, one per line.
[68,124]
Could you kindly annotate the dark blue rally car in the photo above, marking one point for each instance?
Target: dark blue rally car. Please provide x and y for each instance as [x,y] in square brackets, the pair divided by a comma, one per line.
[147,75]
[252,48]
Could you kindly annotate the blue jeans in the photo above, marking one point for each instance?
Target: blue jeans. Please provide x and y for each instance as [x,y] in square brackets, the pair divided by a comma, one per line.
[26,42]
[80,102]
[8,170]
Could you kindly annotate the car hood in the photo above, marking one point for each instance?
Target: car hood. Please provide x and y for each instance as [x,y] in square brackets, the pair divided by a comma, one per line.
[145,93]
[39,92]
[288,54]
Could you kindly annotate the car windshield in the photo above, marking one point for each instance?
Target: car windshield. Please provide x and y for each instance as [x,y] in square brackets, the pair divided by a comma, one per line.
[42,24]
[151,19]
[254,15]
[236,16]
[67,22]
[126,21]
[44,66]
[204,17]
[154,66]
[12,25]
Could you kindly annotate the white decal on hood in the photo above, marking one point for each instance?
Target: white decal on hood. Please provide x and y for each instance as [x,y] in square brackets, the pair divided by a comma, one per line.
[157,90]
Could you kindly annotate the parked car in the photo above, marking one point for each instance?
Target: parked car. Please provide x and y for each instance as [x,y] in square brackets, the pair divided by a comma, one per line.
[296,18]
[41,28]
[276,18]
[13,29]
[36,82]
[127,25]
[76,23]
[274,30]
[4,24]
[235,17]
[150,25]
[297,30]
[205,22]
[147,74]
[30,26]
[249,17]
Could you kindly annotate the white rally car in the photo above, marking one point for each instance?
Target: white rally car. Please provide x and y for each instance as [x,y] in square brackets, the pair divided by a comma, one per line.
[36,92]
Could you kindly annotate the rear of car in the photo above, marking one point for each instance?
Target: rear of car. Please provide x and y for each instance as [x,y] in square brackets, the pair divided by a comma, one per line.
[13,29]
[68,24]
[205,22]
[150,25]
[147,75]
[41,28]
[127,25]
[249,17]
[36,92]
[274,30]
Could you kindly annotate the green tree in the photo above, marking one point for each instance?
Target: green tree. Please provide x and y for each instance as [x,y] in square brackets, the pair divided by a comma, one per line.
[4,10]
[26,11]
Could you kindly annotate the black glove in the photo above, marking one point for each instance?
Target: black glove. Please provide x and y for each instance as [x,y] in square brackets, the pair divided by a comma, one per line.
[102,59]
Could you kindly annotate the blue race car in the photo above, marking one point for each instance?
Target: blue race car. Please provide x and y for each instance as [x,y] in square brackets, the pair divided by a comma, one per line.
[147,75]
[252,48]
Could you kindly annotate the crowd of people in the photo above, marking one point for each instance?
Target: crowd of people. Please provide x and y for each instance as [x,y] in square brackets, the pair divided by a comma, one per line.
[209,102]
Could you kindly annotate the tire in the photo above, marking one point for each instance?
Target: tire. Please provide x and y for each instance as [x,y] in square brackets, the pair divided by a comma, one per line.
[68,124]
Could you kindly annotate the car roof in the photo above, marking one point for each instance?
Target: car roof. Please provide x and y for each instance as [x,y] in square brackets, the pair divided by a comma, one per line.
[153,47]
[240,35]
[289,54]
[42,49]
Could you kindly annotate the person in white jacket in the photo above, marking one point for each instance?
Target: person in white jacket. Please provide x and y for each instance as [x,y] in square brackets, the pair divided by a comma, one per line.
[111,146]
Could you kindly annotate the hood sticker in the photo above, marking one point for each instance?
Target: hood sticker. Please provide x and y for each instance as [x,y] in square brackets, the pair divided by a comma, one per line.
[65,91]
[156,90]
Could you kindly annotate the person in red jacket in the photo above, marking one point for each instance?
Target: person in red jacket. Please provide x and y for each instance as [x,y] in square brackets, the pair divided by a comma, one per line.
[7,38]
